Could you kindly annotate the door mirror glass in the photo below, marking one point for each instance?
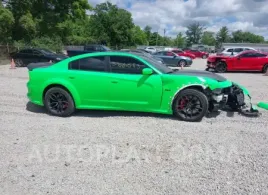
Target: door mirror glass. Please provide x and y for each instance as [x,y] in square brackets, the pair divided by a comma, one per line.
[147,71]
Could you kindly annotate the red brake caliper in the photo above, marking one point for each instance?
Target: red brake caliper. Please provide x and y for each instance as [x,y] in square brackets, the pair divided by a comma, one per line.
[182,103]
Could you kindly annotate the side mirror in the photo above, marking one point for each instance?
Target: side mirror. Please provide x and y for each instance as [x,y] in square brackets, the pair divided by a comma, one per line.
[174,56]
[147,71]
[238,57]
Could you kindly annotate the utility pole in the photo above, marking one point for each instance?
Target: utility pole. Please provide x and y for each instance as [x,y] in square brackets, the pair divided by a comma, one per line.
[164,36]
[156,37]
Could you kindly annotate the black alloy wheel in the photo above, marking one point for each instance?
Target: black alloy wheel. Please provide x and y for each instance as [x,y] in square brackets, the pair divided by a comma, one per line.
[191,105]
[59,102]
[221,67]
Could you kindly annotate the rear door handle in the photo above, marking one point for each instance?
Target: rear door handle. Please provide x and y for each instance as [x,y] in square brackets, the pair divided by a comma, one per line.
[71,77]
[114,82]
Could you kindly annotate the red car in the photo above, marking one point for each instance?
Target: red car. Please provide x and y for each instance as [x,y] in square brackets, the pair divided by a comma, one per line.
[244,61]
[183,53]
[197,53]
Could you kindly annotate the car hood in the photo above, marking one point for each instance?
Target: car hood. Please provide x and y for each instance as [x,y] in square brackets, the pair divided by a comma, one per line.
[200,73]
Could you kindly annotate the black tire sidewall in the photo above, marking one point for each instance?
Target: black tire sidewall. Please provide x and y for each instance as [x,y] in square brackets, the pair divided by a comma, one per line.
[202,98]
[220,64]
[265,68]
[71,106]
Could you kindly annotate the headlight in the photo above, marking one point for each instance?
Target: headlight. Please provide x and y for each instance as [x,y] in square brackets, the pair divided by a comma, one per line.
[58,59]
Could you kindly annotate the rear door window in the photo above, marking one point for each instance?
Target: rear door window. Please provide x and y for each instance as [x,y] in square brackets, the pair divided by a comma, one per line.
[97,64]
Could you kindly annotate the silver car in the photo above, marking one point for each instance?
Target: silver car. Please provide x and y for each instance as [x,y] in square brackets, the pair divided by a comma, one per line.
[172,59]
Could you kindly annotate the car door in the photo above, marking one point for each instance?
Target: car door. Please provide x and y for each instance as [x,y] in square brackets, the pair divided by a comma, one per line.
[245,61]
[26,56]
[129,89]
[39,56]
[169,58]
[89,76]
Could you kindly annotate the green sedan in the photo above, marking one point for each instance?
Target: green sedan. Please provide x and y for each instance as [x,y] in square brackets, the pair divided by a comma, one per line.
[130,82]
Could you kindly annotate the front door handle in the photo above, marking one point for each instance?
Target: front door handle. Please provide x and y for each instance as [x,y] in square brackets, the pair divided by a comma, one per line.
[114,82]
[71,77]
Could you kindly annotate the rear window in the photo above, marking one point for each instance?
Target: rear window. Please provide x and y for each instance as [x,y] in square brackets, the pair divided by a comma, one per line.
[89,64]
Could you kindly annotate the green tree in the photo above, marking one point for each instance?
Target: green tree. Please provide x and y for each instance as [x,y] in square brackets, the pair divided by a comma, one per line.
[138,36]
[6,24]
[208,38]
[179,40]
[194,33]
[112,24]
[222,36]
[240,36]
[147,30]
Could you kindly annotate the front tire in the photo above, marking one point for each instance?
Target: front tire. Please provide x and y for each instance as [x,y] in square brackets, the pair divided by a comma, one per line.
[221,67]
[59,102]
[182,63]
[265,68]
[190,105]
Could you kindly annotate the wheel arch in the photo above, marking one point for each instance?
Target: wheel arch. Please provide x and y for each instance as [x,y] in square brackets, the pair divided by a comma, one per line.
[198,87]
[69,89]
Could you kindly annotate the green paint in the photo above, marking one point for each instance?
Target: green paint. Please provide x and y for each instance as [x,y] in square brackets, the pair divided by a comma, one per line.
[134,92]
[263,105]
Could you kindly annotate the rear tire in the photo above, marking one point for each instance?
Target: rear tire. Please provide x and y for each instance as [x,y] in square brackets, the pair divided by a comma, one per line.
[190,105]
[59,102]
[265,68]
[221,67]
[19,63]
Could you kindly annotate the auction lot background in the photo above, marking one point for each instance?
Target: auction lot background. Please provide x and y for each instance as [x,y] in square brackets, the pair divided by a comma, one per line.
[100,152]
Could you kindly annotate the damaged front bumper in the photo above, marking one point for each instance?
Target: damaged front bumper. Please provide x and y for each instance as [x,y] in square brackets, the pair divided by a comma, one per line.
[235,97]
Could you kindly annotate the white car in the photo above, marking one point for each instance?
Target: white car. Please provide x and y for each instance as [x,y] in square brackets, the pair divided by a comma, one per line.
[235,50]
[151,49]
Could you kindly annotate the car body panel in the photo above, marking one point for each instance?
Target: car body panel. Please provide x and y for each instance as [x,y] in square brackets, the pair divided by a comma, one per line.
[239,62]
[172,59]
[197,53]
[183,53]
[113,91]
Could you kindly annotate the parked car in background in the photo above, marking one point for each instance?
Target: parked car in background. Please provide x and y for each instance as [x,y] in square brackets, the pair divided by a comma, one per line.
[137,51]
[26,56]
[183,53]
[88,49]
[235,50]
[244,61]
[197,53]
[172,59]
[151,49]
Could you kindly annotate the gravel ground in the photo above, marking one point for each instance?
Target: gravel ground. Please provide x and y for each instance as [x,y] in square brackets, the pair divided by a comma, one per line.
[96,152]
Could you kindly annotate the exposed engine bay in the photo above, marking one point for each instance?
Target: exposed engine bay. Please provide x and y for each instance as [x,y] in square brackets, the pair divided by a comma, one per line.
[232,98]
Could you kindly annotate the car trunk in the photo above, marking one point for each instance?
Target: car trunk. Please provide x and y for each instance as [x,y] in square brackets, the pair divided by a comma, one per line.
[32,66]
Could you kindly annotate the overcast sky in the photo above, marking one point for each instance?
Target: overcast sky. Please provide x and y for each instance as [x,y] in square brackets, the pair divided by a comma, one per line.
[175,15]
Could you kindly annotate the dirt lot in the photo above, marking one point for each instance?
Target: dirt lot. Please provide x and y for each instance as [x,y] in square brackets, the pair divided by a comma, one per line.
[96,152]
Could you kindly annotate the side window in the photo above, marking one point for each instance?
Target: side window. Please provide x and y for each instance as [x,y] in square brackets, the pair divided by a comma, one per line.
[35,52]
[126,65]
[26,51]
[89,64]
[169,54]
[260,55]
[230,50]
[238,49]
[248,55]
[90,48]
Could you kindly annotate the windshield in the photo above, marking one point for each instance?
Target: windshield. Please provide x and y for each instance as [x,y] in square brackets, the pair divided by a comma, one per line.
[106,48]
[161,67]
